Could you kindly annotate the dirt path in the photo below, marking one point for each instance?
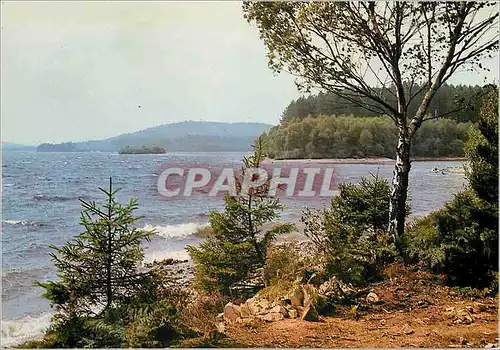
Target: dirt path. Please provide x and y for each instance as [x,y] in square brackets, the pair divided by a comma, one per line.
[415,310]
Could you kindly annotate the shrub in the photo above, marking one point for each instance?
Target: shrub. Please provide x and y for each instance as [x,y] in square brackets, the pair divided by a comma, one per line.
[456,240]
[363,206]
[200,316]
[153,315]
[286,263]
[461,239]
[421,242]
[155,325]
[352,233]
[220,265]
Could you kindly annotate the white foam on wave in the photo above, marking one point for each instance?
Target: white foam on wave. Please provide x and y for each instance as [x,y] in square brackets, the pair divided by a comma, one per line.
[23,329]
[169,232]
[22,222]
[175,231]
[12,222]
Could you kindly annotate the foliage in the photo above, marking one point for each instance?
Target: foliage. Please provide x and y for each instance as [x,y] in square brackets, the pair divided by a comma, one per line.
[352,234]
[287,263]
[203,232]
[357,137]
[60,147]
[364,205]
[412,49]
[236,250]
[142,150]
[200,316]
[99,267]
[482,150]
[448,99]
[153,314]
[421,242]
[461,239]
[155,325]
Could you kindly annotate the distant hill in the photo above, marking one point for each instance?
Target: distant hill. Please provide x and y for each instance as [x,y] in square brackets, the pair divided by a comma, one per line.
[9,146]
[189,136]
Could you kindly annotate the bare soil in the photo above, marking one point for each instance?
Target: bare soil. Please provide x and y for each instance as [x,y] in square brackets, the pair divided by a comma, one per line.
[415,310]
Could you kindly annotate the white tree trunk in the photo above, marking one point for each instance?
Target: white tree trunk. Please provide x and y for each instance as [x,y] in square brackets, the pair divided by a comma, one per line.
[399,191]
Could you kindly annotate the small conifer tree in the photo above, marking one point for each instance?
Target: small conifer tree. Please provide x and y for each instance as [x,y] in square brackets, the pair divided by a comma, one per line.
[99,268]
[236,251]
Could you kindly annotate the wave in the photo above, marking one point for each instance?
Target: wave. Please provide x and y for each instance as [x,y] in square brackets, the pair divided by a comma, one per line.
[12,222]
[23,329]
[23,222]
[43,197]
[175,231]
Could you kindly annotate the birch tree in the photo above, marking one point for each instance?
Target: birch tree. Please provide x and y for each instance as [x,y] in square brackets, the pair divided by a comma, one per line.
[409,49]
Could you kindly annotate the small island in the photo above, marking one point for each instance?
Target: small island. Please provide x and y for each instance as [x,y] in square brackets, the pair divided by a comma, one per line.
[142,150]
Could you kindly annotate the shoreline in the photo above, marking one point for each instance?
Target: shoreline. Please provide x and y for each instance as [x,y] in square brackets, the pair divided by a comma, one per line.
[382,161]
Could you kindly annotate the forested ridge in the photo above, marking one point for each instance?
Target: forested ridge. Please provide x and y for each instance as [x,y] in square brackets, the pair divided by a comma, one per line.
[326,126]
[458,102]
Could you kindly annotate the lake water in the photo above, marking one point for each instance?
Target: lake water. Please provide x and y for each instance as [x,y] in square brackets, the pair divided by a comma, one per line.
[40,207]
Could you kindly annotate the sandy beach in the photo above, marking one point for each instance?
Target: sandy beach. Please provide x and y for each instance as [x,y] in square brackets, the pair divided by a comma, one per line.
[355,160]
[330,161]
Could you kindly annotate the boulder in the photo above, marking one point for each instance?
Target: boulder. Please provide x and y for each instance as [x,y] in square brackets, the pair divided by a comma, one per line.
[292,313]
[407,329]
[246,311]
[372,297]
[347,289]
[309,294]
[253,308]
[279,309]
[297,296]
[272,316]
[329,287]
[309,313]
[251,300]
[264,304]
[231,312]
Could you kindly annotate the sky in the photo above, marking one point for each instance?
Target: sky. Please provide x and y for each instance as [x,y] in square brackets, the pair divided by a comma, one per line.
[74,71]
